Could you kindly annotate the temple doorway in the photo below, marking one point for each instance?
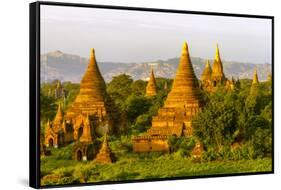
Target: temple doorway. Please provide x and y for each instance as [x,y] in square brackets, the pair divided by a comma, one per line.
[79,155]
[51,142]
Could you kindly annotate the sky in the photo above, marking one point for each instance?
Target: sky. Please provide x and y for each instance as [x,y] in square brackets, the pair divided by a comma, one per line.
[138,36]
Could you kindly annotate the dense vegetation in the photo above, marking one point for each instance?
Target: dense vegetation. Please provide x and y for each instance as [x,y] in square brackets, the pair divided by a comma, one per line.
[235,128]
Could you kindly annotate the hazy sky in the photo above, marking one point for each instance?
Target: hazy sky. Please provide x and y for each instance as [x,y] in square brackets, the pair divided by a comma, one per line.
[137,36]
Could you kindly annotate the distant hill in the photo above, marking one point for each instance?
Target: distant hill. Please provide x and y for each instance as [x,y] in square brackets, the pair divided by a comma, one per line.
[67,67]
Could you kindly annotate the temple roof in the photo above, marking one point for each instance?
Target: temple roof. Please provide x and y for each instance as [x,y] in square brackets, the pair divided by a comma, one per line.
[217,66]
[92,92]
[86,135]
[104,155]
[151,88]
[207,72]
[59,115]
[92,81]
[185,86]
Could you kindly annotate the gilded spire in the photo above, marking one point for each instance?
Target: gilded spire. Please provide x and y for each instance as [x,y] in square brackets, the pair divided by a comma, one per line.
[104,155]
[217,73]
[255,77]
[92,81]
[58,84]
[217,56]
[185,86]
[86,136]
[92,91]
[151,88]
[207,72]
[254,91]
[59,115]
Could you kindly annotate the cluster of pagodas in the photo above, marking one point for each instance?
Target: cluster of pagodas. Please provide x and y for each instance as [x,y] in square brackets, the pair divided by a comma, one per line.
[92,113]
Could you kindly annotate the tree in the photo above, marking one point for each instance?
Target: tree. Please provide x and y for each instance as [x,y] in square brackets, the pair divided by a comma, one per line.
[216,125]
[135,106]
[120,88]
[48,107]
[138,87]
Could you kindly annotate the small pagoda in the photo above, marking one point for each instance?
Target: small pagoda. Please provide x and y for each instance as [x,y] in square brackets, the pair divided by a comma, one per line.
[55,132]
[183,102]
[212,78]
[104,156]
[218,76]
[151,88]
[255,84]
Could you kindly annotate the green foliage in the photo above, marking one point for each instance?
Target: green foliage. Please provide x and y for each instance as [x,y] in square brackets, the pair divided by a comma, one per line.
[48,107]
[181,145]
[150,166]
[138,87]
[143,122]
[119,88]
[227,119]
[236,116]
[216,125]
[135,106]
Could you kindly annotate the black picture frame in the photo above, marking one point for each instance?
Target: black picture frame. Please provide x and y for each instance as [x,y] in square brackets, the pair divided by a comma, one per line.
[34,88]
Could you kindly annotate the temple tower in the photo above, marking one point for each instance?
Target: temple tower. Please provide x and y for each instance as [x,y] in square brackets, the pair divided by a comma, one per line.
[207,72]
[104,155]
[255,84]
[86,136]
[255,78]
[54,132]
[59,91]
[174,118]
[151,88]
[217,74]
[185,90]
[92,100]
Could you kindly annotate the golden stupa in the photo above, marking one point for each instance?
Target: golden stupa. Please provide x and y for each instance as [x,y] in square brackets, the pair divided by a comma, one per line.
[104,155]
[92,100]
[174,118]
[217,73]
[255,84]
[86,136]
[151,88]
[207,72]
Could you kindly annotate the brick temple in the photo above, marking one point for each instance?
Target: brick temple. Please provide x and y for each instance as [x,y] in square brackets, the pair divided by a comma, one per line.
[183,102]
[213,78]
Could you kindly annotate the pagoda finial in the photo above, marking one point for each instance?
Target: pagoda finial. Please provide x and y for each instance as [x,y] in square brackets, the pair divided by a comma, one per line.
[92,52]
[255,77]
[217,73]
[207,72]
[217,57]
[86,137]
[184,47]
[59,115]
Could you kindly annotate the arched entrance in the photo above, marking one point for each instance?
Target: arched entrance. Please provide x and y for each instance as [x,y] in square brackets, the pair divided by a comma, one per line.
[215,83]
[79,155]
[51,142]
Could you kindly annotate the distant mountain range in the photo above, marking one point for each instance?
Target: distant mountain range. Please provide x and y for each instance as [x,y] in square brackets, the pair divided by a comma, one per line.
[67,67]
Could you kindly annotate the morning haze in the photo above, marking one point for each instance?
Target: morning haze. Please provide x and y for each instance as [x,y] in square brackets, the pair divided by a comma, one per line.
[137,36]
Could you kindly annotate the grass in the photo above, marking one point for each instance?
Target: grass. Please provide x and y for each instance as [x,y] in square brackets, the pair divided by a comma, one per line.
[60,169]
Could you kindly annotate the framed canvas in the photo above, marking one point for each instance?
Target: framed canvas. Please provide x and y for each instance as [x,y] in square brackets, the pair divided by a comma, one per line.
[126,94]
